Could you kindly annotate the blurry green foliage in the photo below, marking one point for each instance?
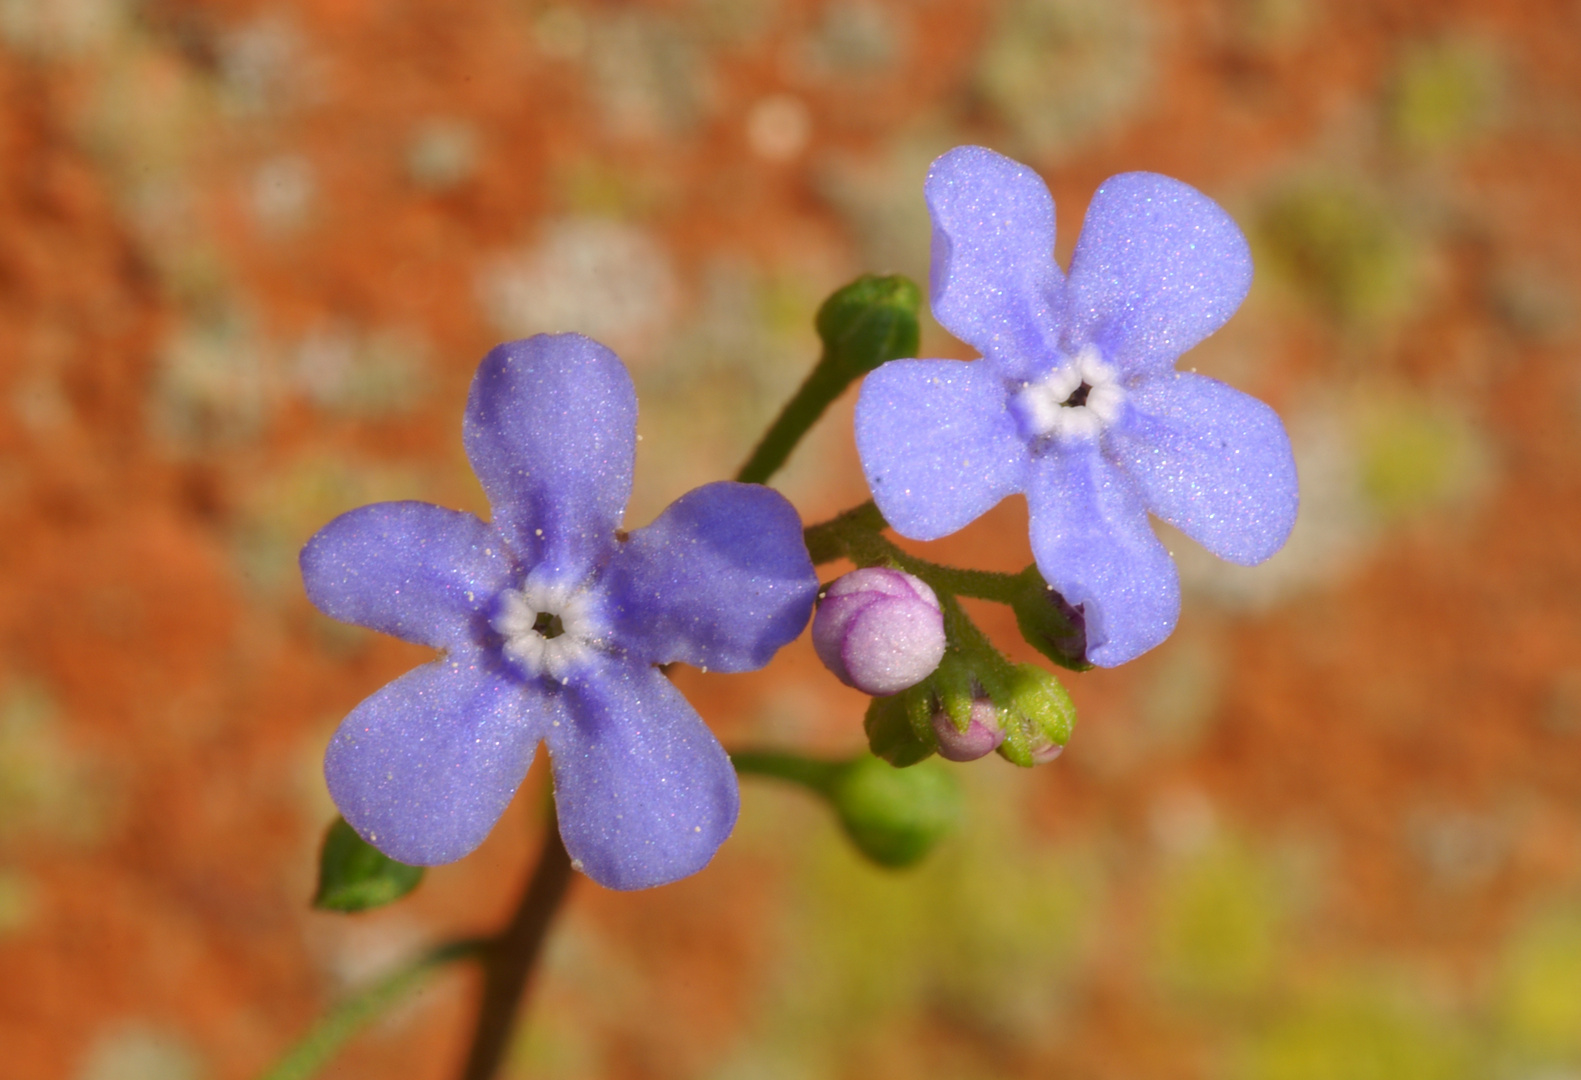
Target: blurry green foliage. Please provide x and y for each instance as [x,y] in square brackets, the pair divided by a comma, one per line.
[442,154]
[135,1052]
[1442,95]
[347,371]
[147,115]
[1216,921]
[18,901]
[1061,71]
[61,28]
[987,934]
[1338,247]
[649,73]
[1183,690]
[1540,999]
[43,787]
[1356,1033]
[1414,456]
[281,510]
[213,387]
[854,38]
[721,378]
[1269,24]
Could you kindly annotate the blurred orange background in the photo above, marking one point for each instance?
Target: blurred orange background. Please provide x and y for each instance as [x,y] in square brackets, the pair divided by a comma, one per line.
[250,253]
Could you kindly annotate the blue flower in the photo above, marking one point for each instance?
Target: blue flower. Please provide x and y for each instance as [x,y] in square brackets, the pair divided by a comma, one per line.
[552,622]
[1076,401]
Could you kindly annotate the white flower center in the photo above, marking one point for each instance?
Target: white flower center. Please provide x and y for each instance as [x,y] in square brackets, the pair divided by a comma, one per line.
[1078,400]
[548,630]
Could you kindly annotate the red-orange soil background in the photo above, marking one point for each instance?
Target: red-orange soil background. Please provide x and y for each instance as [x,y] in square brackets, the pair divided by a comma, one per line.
[249,255]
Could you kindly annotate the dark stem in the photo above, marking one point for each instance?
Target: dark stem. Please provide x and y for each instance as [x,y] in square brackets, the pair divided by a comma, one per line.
[512,955]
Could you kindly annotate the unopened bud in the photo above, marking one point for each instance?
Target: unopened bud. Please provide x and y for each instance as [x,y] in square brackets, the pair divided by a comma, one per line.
[879,630]
[870,321]
[1037,713]
[1049,623]
[895,816]
[981,737]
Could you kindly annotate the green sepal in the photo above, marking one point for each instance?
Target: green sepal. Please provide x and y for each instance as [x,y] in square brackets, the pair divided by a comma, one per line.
[869,322]
[954,687]
[355,876]
[891,733]
[895,816]
[1042,617]
[1035,710]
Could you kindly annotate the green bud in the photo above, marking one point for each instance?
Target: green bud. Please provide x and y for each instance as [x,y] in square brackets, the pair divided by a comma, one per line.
[355,876]
[895,816]
[890,733]
[1048,623]
[1037,715]
[868,322]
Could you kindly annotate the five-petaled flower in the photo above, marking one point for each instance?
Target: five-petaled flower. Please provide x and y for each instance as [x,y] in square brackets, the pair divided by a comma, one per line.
[552,622]
[1076,401]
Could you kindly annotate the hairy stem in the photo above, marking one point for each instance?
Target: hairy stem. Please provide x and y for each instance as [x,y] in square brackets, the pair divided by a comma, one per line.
[512,954]
[857,534]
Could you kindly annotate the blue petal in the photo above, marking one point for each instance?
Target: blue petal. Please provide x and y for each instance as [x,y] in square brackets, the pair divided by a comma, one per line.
[424,768]
[551,431]
[1158,267]
[1092,542]
[720,580]
[1213,462]
[938,443]
[994,282]
[411,569]
[644,791]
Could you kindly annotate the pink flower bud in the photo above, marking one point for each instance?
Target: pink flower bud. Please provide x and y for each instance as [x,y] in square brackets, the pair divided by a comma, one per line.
[879,630]
[981,737]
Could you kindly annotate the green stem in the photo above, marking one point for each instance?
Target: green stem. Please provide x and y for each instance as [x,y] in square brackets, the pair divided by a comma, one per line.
[968,637]
[800,413]
[827,540]
[346,1019]
[856,534]
[781,765]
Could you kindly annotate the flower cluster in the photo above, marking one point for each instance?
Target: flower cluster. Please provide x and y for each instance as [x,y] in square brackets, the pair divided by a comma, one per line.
[1076,401]
[552,623]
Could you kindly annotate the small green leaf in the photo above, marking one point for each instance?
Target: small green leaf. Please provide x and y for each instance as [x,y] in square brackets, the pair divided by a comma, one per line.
[895,816]
[1048,623]
[868,322]
[355,876]
[890,734]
